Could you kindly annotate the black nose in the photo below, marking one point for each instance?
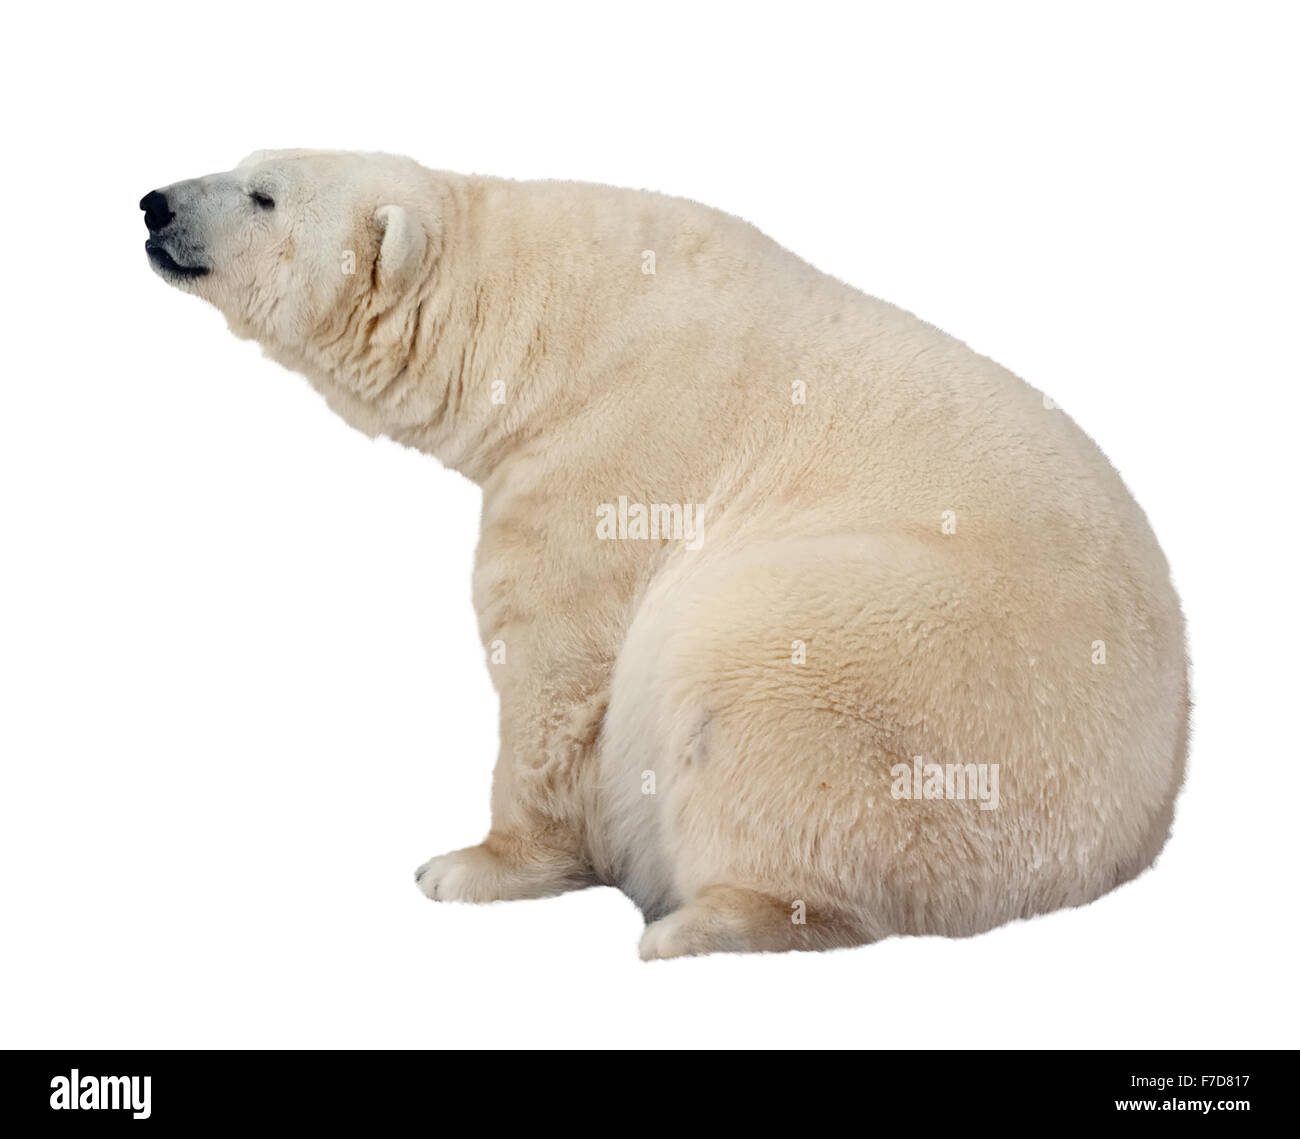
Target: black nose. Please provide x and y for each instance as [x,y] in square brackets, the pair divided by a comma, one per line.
[156,213]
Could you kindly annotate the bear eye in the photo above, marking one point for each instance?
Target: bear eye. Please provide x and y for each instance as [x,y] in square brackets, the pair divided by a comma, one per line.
[264,201]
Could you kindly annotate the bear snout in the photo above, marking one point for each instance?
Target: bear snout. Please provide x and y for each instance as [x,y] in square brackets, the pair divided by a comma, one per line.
[169,247]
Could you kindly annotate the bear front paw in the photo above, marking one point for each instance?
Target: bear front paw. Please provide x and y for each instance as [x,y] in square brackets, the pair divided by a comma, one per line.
[469,875]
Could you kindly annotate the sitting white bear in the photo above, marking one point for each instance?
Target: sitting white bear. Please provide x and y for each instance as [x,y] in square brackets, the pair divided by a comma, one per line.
[810,625]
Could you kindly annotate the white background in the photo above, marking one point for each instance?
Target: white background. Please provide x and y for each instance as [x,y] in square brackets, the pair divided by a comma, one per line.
[241,692]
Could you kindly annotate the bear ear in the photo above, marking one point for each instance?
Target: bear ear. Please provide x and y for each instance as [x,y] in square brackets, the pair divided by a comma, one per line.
[402,248]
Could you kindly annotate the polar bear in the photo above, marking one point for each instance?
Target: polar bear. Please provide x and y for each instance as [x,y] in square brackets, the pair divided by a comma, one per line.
[809,624]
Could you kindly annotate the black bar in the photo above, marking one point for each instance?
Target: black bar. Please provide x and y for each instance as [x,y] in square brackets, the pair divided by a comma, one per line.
[609,1090]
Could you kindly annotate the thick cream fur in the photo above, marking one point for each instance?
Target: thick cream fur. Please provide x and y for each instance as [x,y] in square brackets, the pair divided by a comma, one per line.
[948,547]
